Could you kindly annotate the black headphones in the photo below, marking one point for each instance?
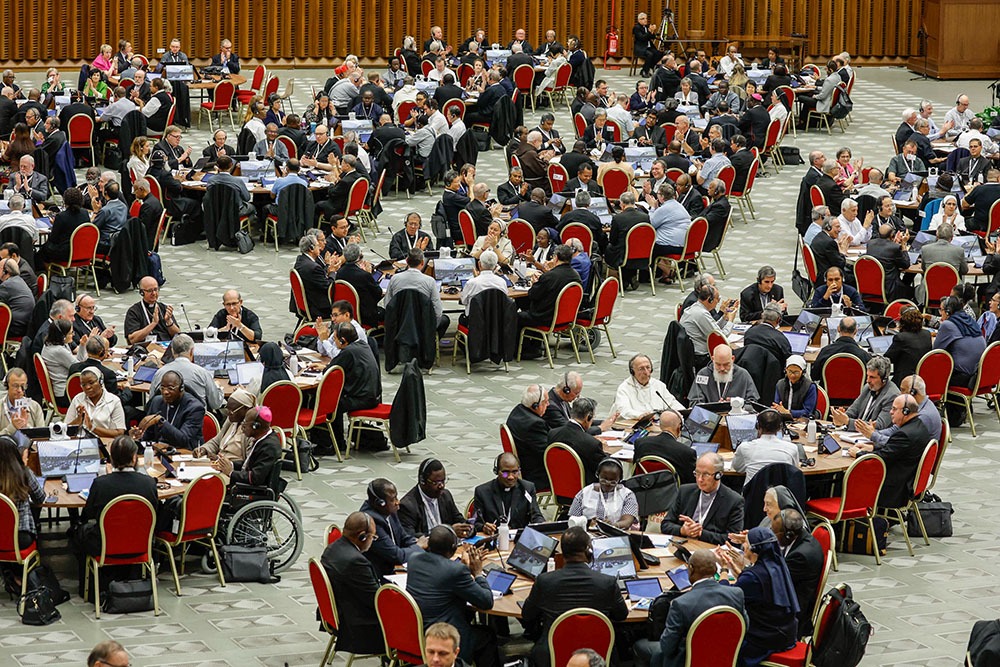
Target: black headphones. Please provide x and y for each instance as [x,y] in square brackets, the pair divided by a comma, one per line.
[565,385]
[610,461]
[454,536]
[422,470]
[905,409]
[100,376]
[373,497]
[764,412]
[631,361]
[534,406]
[496,463]
[828,223]
[78,300]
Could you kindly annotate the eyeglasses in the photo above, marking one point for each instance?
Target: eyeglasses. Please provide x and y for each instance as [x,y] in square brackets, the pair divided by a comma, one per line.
[433,483]
[149,290]
[227,304]
[703,475]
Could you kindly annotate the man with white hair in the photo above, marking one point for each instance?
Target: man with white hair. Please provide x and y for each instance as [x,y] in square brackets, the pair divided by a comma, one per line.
[18,218]
[344,91]
[960,116]
[197,380]
[926,112]
[531,433]
[28,182]
[905,128]
[8,109]
[581,260]
[721,380]
[927,413]
[858,231]
[620,114]
[924,149]
[535,162]
[485,279]
[640,393]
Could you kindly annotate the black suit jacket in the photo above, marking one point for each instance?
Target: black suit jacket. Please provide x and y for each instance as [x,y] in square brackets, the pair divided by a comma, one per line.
[362,378]
[741,159]
[8,109]
[489,98]
[518,59]
[591,135]
[82,328]
[665,82]
[445,93]
[585,217]
[620,224]
[666,446]
[724,517]
[339,193]
[805,565]
[233,65]
[589,448]
[901,454]
[413,519]
[297,136]
[383,135]
[315,284]
[557,411]
[521,509]
[149,215]
[354,582]
[393,546]
[750,301]
[507,195]
[543,294]
[903,133]
[843,345]
[699,84]
[753,123]
[770,339]
[826,253]
[803,215]
[531,437]
[893,260]
[106,488]
[481,217]
[257,469]
[574,585]
[537,215]
[717,214]
[369,292]
[692,202]
[212,152]
[907,348]
[572,161]
[833,194]
[924,149]
[574,184]
[980,167]
[184,430]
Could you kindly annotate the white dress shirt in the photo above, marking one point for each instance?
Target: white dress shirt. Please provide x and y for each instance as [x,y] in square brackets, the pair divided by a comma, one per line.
[106,413]
[855,229]
[623,118]
[484,281]
[632,400]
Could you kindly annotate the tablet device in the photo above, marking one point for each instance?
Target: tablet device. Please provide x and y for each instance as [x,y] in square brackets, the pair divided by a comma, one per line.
[613,557]
[143,374]
[829,445]
[531,552]
[78,482]
[701,424]
[807,322]
[643,589]
[500,581]
[880,344]
[679,577]
[247,371]
[798,341]
[741,428]
[705,448]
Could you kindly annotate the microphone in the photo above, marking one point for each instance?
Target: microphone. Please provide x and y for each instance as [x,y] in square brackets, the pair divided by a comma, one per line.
[184,310]
[377,253]
[666,404]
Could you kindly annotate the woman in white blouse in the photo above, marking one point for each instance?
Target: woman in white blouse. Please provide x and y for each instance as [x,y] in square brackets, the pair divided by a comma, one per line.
[950,213]
[495,240]
[138,163]
[98,410]
[685,95]
[607,499]
[58,358]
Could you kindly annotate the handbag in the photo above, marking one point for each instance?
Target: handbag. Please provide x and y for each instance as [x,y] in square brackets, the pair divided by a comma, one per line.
[245,562]
[858,538]
[308,462]
[127,597]
[801,285]
[935,514]
[37,608]
[243,242]
[655,492]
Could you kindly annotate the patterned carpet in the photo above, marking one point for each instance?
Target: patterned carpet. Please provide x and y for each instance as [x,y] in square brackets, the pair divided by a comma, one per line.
[922,608]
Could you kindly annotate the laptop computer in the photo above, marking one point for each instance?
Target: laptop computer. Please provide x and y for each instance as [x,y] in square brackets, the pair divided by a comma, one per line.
[880,344]
[245,372]
[143,374]
[701,448]
[643,589]
[550,527]
[78,482]
[701,424]
[613,557]
[866,328]
[179,72]
[531,552]
[920,240]
[798,341]
[741,428]
[807,322]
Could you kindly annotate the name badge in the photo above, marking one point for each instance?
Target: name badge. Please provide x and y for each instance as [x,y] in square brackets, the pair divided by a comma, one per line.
[701,379]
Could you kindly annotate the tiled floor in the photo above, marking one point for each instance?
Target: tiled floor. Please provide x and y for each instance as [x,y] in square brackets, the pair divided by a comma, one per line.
[922,607]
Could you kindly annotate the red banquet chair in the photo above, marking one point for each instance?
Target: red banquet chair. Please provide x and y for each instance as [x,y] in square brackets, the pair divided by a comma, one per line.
[843,378]
[921,480]
[607,296]
[986,384]
[578,230]
[521,235]
[11,550]
[402,624]
[331,384]
[565,472]
[639,243]
[935,368]
[222,100]
[861,488]
[126,527]
[563,323]
[714,638]
[558,177]
[201,506]
[870,275]
[580,628]
[82,254]
[285,400]
[329,617]
[507,440]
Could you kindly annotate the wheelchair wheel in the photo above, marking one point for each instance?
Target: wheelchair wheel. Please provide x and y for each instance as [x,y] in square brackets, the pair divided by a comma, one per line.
[272,523]
[287,499]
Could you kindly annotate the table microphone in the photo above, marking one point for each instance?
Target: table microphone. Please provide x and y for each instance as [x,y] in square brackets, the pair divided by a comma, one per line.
[665,402]
[184,310]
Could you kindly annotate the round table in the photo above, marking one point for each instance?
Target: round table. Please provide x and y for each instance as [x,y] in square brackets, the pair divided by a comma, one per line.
[65,499]
[211,82]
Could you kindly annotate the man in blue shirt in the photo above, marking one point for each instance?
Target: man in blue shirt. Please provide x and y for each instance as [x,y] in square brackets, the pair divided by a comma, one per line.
[581,261]
[671,221]
[927,413]
[226,179]
[111,217]
[836,292]
[712,166]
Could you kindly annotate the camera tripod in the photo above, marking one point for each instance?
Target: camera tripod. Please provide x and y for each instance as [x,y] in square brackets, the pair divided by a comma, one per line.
[668,28]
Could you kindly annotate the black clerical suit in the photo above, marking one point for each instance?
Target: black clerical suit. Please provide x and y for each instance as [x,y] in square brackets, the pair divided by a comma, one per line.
[537,215]
[752,301]
[753,123]
[901,453]
[827,253]
[315,286]
[517,506]
[770,339]
[573,586]
[593,223]
[139,316]
[338,195]
[972,168]
[256,470]
[843,345]
[354,582]
[481,217]
[531,437]
[620,226]
[543,294]
[402,242]
[414,519]
[233,65]
[804,559]
[589,448]
[723,517]
[508,195]
[369,293]
[247,316]
[717,214]
[83,328]
[681,456]
[150,213]
[362,383]
[182,421]
[212,152]
[741,160]
[803,215]
[903,133]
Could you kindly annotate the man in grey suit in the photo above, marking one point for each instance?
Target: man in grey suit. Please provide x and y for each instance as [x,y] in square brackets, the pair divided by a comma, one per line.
[442,587]
[17,295]
[875,400]
[705,593]
[942,250]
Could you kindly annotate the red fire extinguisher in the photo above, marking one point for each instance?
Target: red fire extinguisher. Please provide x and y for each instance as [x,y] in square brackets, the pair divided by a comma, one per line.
[613,42]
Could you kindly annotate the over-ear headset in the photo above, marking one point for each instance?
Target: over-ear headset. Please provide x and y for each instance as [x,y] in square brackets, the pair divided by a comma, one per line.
[534,406]
[905,409]
[100,376]
[828,223]
[422,470]
[631,362]
[610,461]
[496,464]
[79,299]
[454,536]
[565,385]
[764,412]
[373,497]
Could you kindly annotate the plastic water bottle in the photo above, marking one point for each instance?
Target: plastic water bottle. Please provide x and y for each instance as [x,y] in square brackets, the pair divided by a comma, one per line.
[293,364]
[503,537]
[915,194]
[811,432]
[147,456]
[130,368]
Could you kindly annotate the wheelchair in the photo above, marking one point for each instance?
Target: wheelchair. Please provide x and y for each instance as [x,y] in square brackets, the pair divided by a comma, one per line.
[261,515]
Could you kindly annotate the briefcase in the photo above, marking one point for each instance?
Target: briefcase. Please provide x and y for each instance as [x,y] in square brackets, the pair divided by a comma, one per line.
[936,515]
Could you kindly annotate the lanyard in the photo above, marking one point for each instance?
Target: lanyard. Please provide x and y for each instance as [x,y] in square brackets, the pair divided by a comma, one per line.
[719,387]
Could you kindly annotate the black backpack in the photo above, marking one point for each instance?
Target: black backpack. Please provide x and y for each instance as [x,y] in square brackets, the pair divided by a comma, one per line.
[845,634]
[984,644]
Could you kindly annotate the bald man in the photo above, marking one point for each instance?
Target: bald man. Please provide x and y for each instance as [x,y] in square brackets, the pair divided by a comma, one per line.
[354,583]
[722,380]
[150,317]
[705,510]
[234,317]
[666,445]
